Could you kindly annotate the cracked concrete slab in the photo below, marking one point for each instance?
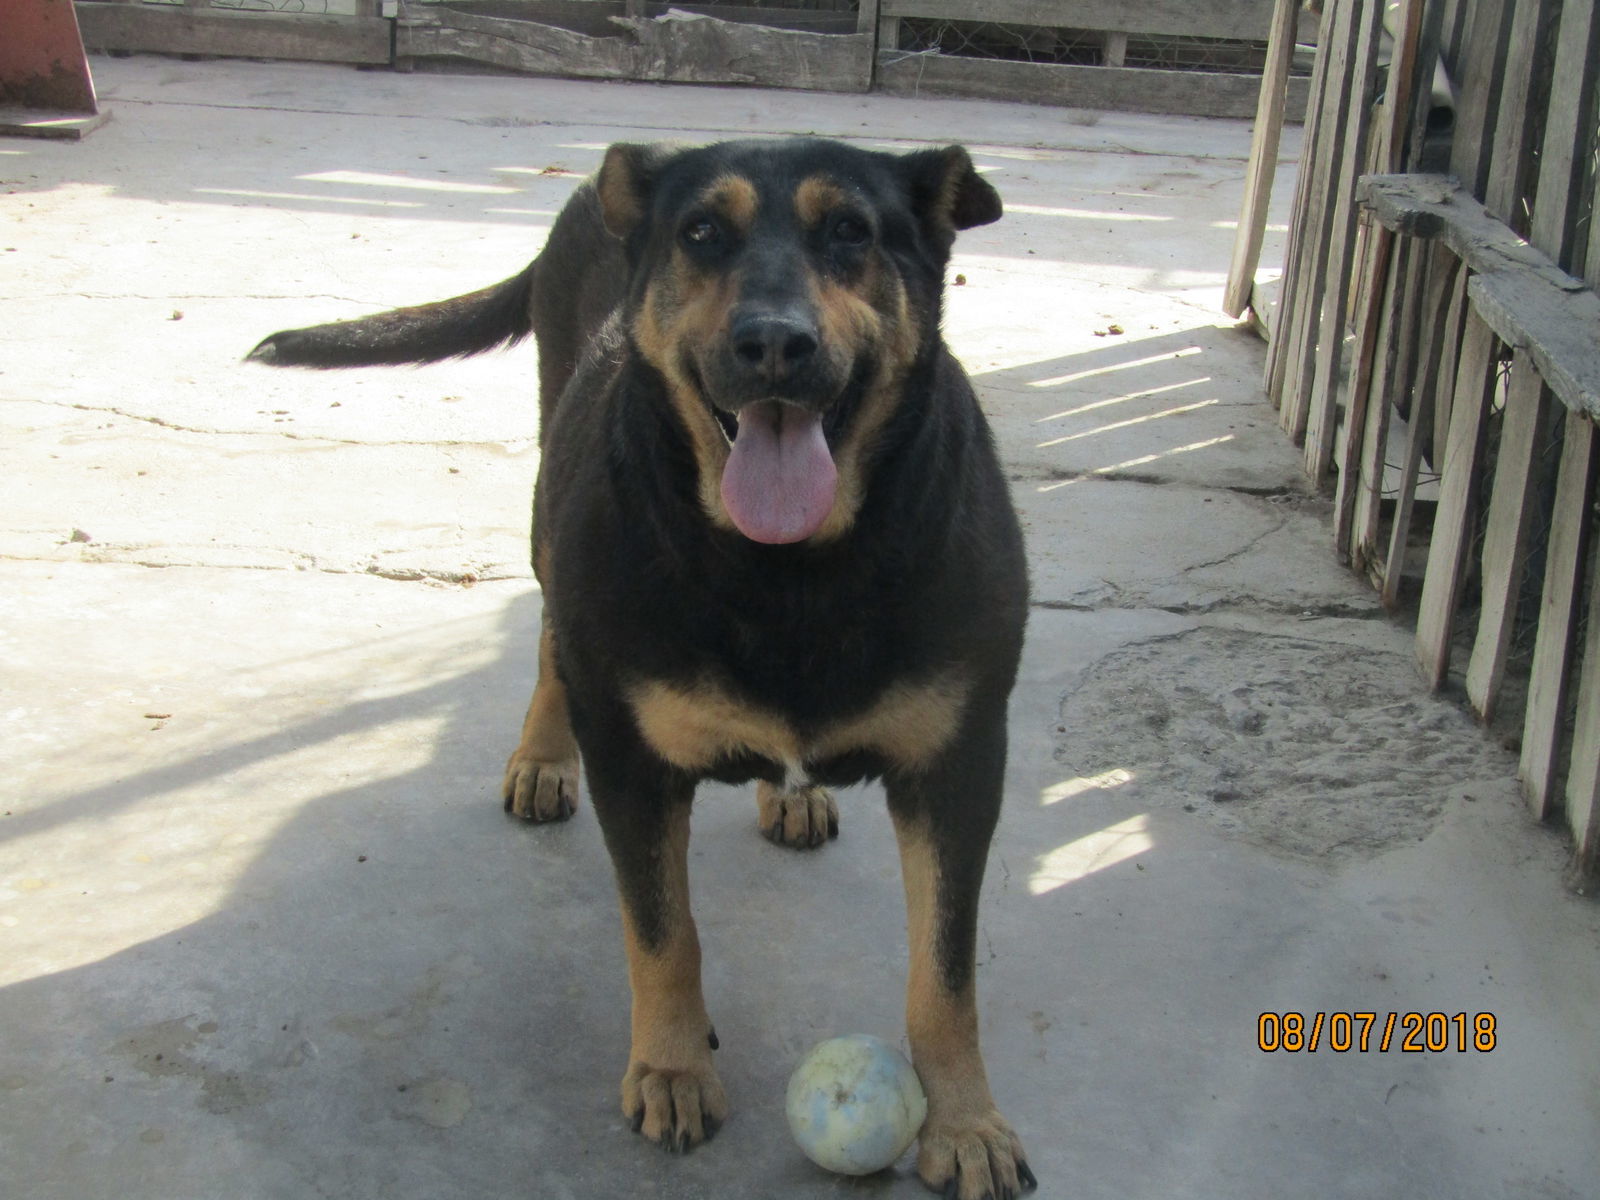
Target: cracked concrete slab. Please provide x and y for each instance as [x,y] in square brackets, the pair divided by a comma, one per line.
[146,492]
[1190,549]
[264,929]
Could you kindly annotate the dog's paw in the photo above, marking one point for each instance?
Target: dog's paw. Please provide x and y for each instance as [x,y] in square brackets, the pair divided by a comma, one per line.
[541,791]
[976,1157]
[677,1108]
[802,818]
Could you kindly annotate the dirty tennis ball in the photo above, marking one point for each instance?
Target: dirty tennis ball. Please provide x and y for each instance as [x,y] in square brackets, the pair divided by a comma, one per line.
[855,1104]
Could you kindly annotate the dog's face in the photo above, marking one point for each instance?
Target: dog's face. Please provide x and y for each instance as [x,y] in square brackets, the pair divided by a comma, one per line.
[783,290]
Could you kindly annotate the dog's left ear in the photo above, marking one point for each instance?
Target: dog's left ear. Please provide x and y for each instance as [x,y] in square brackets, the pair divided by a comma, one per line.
[947,193]
[625,181]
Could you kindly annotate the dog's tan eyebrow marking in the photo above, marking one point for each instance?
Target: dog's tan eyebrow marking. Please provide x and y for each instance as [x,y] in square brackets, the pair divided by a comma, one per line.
[816,196]
[733,196]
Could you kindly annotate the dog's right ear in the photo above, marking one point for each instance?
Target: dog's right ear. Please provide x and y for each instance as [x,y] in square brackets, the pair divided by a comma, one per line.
[626,179]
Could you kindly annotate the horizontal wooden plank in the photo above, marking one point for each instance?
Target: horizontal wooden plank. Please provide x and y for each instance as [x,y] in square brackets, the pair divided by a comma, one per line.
[1557,327]
[1120,89]
[1241,19]
[1530,303]
[163,29]
[679,49]
[594,16]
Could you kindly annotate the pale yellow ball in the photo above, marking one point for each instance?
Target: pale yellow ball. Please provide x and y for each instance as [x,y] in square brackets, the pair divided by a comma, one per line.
[855,1104]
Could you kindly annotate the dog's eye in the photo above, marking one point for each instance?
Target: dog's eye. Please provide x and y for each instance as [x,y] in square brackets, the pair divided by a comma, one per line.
[848,231]
[700,233]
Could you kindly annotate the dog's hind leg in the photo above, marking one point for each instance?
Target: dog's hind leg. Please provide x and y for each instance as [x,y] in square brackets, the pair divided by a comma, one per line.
[803,816]
[541,782]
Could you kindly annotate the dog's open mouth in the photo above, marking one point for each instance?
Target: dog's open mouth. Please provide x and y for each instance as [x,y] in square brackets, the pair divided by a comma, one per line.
[779,480]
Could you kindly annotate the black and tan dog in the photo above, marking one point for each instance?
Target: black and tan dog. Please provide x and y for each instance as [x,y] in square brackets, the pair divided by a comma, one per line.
[775,543]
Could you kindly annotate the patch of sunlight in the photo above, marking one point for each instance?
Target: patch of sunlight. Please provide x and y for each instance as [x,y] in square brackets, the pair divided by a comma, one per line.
[1138,462]
[107,877]
[299,198]
[1093,852]
[1235,225]
[1058,380]
[1156,416]
[520,212]
[1067,789]
[1093,214]
[1122,399]
[375,179]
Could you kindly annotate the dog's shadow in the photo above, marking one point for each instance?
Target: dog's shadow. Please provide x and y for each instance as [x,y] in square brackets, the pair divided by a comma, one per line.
[408,993]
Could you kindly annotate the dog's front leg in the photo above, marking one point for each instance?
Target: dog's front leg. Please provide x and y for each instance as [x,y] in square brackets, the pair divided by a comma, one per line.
[671,1091]
[943,818]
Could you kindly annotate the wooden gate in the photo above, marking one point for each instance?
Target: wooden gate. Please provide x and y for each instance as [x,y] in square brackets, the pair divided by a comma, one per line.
[1436,350]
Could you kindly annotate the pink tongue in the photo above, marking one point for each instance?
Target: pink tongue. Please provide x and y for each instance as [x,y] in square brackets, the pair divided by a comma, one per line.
[779,480]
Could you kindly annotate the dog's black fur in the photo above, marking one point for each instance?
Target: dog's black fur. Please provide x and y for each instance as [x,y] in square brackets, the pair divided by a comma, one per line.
[681,293]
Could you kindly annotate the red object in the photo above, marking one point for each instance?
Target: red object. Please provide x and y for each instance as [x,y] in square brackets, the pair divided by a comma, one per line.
[42,64]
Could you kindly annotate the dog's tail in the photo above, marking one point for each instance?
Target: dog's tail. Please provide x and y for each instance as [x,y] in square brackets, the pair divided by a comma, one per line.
[456,328]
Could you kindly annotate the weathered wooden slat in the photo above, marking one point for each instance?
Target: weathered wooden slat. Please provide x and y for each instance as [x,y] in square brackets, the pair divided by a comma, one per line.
[1550,675]
[1289,292]
[1511,168]
[1402,96]
[1529,302]
[1525,420]
[1305,317]
[164,29]
[1441,320]
[1583,775]
[1241,19]
[1482,71]
[1374,303]
[1394,355]
[1458,483]
[1322,403]
[1558,328]
[1264,141]
[1569,135]
[678,49]
[1524,432]
[1555,229]
[867,17]
[1120,89]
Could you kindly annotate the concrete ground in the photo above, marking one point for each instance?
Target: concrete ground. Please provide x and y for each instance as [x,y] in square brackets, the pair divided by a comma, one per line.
[264,930]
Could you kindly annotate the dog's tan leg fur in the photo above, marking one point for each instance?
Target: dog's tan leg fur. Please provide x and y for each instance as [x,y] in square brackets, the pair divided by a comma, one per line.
[541,782]
[804,817]
[671,1091]
[964,1137]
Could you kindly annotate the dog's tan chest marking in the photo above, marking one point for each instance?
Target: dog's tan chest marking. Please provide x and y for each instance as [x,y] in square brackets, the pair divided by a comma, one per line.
[695,726]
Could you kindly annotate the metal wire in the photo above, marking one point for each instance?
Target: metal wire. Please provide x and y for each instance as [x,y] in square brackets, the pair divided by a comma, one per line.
[1064,45]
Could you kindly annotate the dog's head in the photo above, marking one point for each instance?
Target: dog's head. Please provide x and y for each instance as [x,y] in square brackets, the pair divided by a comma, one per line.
[784,290]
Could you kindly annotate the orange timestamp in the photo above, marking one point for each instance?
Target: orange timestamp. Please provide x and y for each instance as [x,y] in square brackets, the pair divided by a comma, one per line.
[1364,1032]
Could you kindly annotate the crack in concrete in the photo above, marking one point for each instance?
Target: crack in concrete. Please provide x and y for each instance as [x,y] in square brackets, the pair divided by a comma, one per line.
[1280,492]
[1233,555]
[276,433]
[1231,604]
[294,296]
[397,574]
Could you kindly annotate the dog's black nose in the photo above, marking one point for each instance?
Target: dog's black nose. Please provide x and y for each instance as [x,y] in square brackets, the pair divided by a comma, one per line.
[773,345]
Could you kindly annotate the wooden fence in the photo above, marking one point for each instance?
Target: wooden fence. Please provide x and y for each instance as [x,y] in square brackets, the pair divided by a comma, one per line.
[1198,57]
[1436,351]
